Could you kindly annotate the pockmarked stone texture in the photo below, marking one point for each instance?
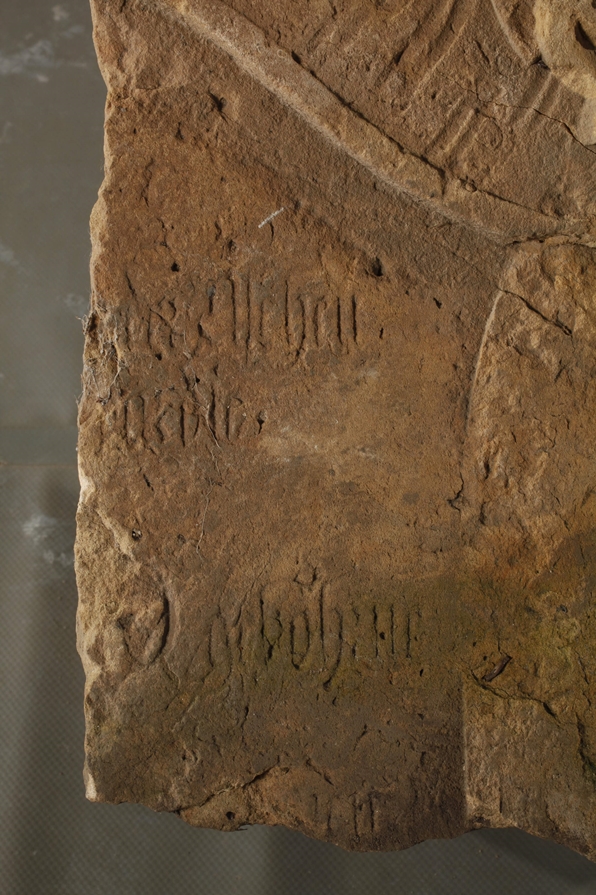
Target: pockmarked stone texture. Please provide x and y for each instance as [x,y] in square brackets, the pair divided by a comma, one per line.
[337,532]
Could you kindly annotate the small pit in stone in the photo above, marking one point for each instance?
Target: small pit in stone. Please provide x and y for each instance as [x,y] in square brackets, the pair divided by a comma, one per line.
[377,268]
[583,39]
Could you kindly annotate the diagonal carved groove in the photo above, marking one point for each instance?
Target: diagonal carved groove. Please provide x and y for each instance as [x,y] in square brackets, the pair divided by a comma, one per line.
[303,92]
[352,133]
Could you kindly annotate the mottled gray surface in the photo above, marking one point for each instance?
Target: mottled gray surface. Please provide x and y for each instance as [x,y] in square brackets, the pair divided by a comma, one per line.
[51,839]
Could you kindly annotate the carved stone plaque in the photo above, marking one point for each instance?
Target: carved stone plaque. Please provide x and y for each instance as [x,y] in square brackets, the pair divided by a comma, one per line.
[337,547]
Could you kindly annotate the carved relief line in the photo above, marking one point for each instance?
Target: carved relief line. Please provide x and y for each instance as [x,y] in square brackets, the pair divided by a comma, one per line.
[514,39]
[439,33]
[487,331]
[456,123]
[274,68]
[352,134]
[463,124]
[487,328]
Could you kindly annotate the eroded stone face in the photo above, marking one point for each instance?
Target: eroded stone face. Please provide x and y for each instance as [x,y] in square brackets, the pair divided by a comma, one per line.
[336,534]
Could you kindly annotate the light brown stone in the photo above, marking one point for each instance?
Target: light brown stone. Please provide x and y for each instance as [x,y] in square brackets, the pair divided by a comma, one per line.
[337,547]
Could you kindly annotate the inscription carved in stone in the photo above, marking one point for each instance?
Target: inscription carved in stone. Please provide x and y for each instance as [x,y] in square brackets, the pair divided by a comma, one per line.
[337,533]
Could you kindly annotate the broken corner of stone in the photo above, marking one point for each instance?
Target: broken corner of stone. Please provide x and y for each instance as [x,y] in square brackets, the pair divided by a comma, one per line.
[336,548]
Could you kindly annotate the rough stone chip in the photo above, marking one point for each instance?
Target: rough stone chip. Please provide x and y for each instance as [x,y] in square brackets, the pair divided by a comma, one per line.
[337,546]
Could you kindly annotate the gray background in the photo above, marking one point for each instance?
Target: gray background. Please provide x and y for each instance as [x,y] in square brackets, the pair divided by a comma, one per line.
[51,839]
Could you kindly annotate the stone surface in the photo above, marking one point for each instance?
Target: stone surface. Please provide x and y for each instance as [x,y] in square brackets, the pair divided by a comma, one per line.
[337,548]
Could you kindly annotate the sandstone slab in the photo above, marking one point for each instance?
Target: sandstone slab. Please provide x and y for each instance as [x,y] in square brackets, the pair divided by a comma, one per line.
[336,543]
